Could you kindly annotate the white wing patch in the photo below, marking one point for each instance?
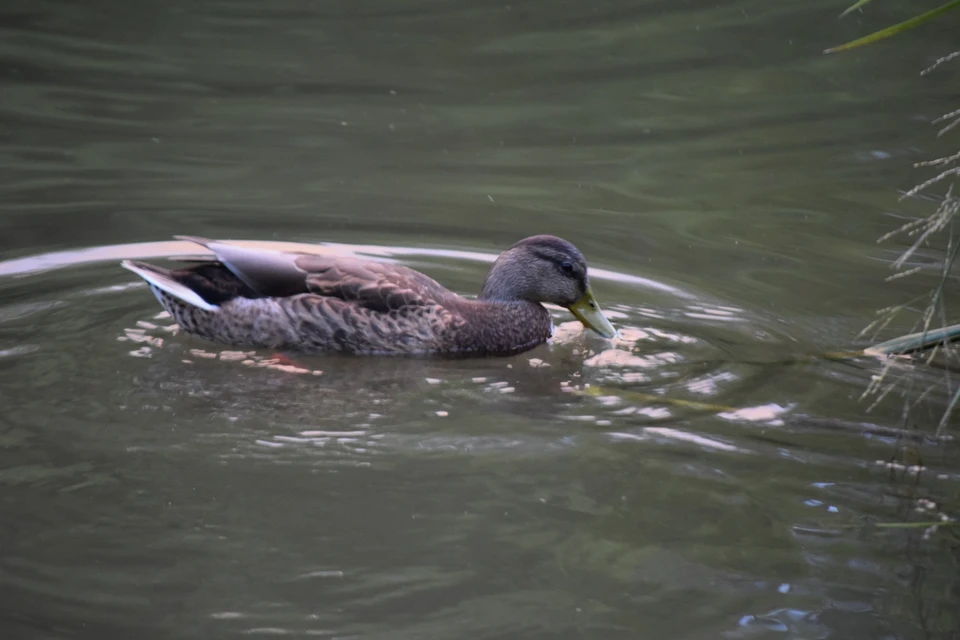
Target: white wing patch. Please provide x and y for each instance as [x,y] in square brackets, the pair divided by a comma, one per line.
[172,287]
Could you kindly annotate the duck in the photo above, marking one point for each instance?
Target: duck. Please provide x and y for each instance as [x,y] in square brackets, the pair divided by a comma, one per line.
[313,304]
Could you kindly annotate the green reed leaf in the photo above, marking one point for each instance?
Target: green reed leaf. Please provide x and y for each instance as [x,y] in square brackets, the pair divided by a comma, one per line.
[915,525]
[895,29]
[856,5]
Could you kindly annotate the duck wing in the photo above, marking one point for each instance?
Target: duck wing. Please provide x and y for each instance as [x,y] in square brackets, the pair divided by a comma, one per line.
[379,287]
[272,274]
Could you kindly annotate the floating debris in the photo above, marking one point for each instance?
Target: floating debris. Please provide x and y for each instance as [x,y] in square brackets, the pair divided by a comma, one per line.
[136,335]
[765,413]
[332,434]
[710,443]
[287,368]
[621,358]
[630,336]
[139,335]
[896,466]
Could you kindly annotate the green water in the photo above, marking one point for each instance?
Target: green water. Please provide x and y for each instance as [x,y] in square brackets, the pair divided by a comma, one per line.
[727,184]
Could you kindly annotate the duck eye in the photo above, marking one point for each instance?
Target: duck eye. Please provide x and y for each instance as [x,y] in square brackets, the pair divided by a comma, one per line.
[566,266]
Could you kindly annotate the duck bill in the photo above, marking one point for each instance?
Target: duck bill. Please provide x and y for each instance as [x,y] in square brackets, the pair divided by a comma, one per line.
[587,311]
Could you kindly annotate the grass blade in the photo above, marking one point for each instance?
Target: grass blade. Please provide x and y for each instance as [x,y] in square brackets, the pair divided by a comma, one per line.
[945,420]
[914,525]
[915,341]
[856,5]
[895,29]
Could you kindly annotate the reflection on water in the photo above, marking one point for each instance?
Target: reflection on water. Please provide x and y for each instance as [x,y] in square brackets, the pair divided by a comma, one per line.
[62,259]
[708,474]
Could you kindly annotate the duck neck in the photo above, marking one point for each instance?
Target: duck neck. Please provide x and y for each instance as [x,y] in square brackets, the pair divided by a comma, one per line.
[507,281]
[502,327]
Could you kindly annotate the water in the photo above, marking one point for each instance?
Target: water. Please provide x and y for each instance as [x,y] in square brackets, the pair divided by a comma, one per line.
[727,184]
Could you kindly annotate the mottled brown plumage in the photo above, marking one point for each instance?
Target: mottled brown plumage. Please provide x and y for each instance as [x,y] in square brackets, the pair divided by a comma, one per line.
[314,303]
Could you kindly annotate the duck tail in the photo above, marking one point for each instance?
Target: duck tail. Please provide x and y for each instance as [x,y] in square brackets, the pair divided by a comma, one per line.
[163,280]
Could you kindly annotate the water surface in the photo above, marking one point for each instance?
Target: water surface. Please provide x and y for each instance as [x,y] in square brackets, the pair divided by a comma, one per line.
[705,476]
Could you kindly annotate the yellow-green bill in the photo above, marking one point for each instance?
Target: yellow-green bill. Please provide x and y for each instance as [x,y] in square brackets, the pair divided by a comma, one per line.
[587,311]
